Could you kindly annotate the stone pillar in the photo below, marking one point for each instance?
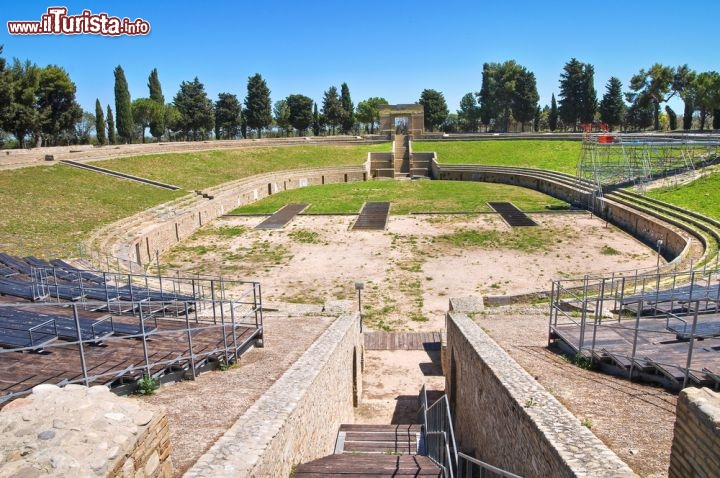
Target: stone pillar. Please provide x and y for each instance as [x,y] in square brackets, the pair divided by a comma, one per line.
[696,444]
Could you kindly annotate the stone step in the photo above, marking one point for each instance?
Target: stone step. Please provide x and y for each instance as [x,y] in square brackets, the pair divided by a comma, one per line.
[368,466]
[379,439]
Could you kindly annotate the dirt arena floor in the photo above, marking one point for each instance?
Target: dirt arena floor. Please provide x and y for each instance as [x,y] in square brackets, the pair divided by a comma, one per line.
[410,271]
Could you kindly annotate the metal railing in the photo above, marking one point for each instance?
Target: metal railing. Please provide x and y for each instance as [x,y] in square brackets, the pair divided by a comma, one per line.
[682,306]
[166,315]
[439,443]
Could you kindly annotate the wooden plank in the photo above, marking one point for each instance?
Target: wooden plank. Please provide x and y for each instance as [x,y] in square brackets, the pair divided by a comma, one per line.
[398,428]
[378,340]
[369,466]
[283,216]
[373,216]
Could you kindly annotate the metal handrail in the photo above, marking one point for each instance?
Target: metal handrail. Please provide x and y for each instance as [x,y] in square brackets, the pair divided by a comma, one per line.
[40,326]
[440,445]
[465,467]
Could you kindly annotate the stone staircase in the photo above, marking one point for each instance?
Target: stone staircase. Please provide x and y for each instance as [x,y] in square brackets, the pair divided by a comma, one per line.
[402,155]
[374,450]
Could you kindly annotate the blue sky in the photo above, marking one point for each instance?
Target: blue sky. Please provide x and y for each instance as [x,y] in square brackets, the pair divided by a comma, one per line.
[393,49]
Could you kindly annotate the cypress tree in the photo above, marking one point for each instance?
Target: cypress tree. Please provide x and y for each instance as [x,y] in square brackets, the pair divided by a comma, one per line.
[156,93]
[349,117]
[110,126]
[553,116]
[316,121]
[100,123]
[157,125]
[258,108]
[672,118]
[123,108]
[688,114]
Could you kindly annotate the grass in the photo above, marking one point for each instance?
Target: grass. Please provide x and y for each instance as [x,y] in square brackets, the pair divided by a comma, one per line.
[609,251]
[560,156]
[702,195]
[406,197]
[304,236]
[48,210]
[201,169]
[227,232]
[525,239]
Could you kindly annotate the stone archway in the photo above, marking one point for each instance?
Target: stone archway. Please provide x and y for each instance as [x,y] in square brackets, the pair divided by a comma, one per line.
[411,114]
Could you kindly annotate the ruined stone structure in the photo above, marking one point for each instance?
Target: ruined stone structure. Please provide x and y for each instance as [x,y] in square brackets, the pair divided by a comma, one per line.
[80,431]
[411,119]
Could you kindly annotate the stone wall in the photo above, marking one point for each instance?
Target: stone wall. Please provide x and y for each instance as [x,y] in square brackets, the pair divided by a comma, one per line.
[80,431]
[645,228]
[139,237]
[504,417]
[297,419]
[696,444]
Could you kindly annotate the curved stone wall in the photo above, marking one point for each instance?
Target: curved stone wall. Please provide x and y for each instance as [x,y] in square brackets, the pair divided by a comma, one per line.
[139,238]
[645,228]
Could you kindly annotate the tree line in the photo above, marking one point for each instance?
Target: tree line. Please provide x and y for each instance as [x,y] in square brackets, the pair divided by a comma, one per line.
[508,95]
[192,115]
[38,106]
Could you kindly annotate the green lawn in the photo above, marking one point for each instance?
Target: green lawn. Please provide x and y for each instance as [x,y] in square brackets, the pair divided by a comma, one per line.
[406,197]
[560,156]
[702,195]
[47,210]
[202,169]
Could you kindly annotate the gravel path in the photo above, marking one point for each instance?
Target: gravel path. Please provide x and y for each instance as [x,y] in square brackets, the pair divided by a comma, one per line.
[200,411]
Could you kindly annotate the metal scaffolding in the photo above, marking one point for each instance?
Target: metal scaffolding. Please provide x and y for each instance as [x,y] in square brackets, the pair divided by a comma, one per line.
[615,159]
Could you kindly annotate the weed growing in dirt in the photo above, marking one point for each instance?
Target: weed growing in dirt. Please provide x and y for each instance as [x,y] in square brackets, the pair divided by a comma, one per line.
[304,236]
[609,251]
[146,385]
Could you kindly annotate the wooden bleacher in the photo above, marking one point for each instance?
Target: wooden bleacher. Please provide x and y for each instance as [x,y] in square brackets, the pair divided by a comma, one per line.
[128,325]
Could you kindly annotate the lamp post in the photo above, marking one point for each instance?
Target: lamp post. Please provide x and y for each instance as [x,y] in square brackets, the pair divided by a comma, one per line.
[659,245]
[358,287]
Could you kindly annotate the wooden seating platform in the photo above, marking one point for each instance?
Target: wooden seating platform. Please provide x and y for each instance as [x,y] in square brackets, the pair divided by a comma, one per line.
[62,325]
[661,352]
[121,360]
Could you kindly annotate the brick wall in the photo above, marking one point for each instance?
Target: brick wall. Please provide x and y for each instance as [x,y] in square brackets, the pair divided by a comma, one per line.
[297,419]
[504,417]
[696,444]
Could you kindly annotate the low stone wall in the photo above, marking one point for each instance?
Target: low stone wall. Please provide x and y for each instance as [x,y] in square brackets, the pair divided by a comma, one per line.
[80,431]
[504,417]
[297,419]
[645,228]
[696,444]
[139,237]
